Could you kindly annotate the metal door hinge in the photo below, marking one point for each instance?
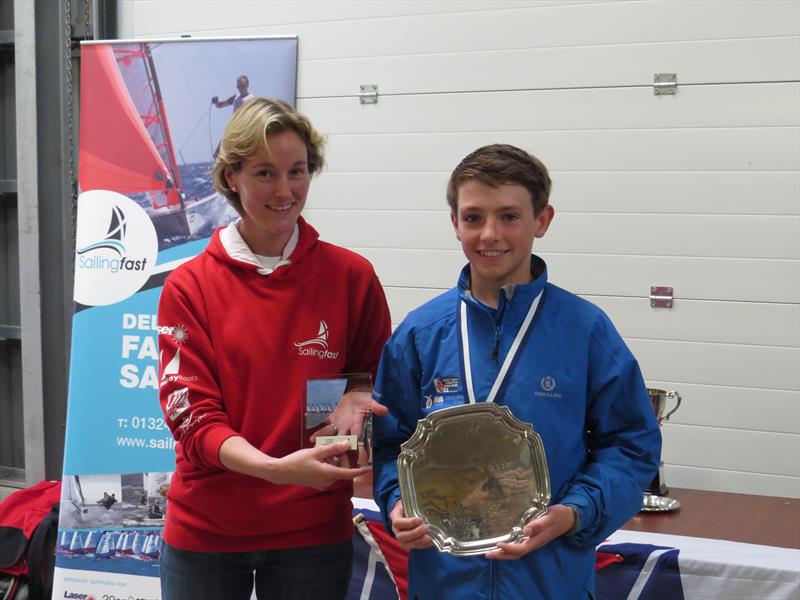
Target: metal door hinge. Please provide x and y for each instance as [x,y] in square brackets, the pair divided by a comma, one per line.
[368,94]
[665,83]
[660,297]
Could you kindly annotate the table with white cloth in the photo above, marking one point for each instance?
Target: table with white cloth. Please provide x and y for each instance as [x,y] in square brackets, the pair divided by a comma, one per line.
[704,568]
[719,546]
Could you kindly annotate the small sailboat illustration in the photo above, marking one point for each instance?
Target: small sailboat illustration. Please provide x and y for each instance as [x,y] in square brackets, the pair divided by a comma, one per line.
[64,540]
[76,545]
[104,549]
[91,542]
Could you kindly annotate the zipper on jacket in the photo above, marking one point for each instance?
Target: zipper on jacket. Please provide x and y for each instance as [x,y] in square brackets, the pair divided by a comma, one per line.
[499,314]
[496,350]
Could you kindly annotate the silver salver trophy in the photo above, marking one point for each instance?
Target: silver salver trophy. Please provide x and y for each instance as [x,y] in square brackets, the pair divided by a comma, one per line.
[476,475]
[655,496]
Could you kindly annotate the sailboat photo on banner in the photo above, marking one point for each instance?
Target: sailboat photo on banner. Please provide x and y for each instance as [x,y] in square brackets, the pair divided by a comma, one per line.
[151,117]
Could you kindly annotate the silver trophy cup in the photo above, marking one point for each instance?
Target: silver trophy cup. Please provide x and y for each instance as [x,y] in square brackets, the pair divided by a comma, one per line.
[655,496]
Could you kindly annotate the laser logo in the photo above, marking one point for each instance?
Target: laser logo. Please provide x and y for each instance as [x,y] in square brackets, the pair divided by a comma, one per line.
[116,248]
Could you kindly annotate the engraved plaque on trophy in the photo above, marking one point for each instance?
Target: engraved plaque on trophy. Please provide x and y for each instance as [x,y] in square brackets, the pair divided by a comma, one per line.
[655,496]
[338,409]
[476,475]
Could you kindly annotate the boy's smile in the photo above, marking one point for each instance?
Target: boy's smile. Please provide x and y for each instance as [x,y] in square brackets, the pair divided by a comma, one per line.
[496,227]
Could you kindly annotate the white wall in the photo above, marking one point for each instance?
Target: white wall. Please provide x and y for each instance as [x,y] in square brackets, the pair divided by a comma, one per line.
[699,191]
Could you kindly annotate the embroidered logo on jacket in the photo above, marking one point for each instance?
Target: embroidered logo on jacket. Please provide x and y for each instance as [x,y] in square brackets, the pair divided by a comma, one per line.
[318,346]
[548,384]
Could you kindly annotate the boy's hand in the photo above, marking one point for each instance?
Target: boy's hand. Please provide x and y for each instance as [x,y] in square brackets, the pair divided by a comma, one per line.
[541,531]
[410,532]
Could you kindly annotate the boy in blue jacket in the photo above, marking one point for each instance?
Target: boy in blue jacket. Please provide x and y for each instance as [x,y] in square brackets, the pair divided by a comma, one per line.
[553,358]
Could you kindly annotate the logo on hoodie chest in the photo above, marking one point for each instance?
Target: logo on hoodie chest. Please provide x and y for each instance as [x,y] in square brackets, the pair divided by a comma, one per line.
[317,347]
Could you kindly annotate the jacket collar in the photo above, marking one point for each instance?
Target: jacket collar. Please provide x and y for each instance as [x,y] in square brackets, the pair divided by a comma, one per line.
[523,294]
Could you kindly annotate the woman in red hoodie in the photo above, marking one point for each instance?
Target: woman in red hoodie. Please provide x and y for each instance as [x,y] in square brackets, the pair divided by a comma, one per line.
[242,328]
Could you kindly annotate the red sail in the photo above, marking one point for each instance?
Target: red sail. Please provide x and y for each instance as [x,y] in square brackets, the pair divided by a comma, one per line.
[116,153]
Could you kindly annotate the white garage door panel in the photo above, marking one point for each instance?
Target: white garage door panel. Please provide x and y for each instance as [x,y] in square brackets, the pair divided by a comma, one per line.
[415,268]
[675,235]
[379,191]
[538,27]
[766,367]
[748,323]
[743,193]
[734,408]
[727,192]
[724,149]
[345,29]
[654,235]
[404,300]
[753,323]
[732,481]
[725,61]
[386,229]
[731,449]
[691,278]
[368,30]
[246,17]
[738,105]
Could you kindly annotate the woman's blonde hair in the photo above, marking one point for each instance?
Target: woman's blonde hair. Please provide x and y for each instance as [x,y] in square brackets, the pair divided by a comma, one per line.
[246,134]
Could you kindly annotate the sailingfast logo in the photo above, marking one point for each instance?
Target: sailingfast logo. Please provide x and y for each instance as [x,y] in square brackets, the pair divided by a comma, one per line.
[318,346]
[91,257]
[116,248]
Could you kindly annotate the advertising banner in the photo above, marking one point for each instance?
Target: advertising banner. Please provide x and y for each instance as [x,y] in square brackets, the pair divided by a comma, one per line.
[151,117]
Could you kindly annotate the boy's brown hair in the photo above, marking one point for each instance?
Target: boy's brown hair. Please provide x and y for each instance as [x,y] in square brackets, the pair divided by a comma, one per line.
[501,164]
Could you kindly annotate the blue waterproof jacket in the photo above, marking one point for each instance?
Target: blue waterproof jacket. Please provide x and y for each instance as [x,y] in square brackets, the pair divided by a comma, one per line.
[578,385]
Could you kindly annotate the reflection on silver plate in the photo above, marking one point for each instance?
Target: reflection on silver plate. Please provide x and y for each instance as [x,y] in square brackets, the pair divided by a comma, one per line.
[476,475]
[653,503]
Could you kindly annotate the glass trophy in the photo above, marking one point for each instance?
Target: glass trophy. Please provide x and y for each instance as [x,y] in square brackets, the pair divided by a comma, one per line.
[338,408]
[476,475]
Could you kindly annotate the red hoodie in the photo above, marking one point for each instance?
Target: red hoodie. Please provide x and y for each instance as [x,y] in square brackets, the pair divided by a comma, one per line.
[230,365]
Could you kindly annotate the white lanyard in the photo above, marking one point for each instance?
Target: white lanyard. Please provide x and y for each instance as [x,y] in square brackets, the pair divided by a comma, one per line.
[509,357]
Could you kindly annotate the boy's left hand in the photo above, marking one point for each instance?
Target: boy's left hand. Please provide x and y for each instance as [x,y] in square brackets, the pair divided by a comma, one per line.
[540,531]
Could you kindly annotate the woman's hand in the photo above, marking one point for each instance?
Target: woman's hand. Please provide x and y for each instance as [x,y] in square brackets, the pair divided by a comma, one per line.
[557,521]
[314,467]
[410,532]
